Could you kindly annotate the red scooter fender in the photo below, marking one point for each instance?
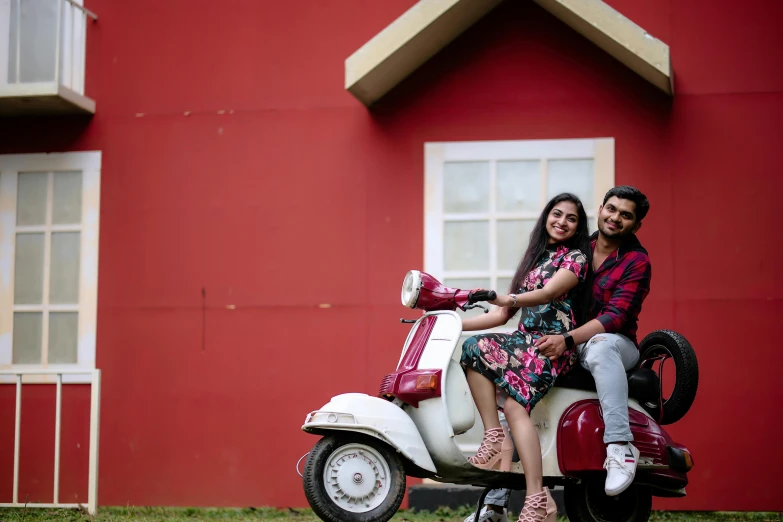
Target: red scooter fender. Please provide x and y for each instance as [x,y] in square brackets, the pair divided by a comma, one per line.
[581,450]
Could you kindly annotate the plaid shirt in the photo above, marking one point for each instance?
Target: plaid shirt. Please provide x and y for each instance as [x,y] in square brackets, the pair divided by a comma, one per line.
[619,287]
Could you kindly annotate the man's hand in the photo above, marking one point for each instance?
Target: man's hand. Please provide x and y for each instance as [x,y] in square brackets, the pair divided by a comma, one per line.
[551,346]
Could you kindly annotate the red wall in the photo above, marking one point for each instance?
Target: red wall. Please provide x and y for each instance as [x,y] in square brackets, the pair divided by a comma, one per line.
[235,162]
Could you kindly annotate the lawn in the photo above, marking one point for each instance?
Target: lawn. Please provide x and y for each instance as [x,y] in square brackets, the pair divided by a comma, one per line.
[300,515]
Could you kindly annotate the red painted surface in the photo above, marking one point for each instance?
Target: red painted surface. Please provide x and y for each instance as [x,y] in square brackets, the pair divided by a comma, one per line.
[301,197]
[581,449]
[405,386]
[433,296]
[419,341]
[402,383]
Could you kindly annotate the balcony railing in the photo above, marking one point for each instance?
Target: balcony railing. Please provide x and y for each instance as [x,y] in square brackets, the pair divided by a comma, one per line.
[42,56]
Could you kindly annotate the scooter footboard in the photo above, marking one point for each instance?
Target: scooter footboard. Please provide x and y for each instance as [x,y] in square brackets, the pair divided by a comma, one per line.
[360,413]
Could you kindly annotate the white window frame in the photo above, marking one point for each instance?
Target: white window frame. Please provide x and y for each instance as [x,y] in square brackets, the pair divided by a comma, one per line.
[436,154]
[70,47]
[5,44]
[89,163]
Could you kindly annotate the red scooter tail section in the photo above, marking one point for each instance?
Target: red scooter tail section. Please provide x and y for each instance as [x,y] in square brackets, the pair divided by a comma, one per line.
[663,464]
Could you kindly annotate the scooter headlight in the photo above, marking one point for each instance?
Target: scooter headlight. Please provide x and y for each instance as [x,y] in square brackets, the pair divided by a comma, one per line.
[410,288]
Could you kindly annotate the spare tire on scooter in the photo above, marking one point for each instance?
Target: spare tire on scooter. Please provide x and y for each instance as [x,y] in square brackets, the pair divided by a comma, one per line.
[659,346]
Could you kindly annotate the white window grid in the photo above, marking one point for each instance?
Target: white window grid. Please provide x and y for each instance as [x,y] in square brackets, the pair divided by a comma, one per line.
[599,150]
[88,163]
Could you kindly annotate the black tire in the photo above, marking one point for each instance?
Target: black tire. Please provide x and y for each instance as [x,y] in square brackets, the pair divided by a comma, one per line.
[587,502]
[335,452]
[662,342]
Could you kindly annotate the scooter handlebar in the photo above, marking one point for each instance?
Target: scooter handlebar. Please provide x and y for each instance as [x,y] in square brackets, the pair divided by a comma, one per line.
[482,295]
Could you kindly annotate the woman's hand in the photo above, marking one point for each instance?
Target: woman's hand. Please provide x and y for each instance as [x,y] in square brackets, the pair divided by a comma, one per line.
[504,301]
[500,301]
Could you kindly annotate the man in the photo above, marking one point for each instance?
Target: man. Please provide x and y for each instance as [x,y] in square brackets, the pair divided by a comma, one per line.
[607,344]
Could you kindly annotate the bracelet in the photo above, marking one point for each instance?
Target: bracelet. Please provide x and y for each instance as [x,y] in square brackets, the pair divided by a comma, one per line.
[514,297]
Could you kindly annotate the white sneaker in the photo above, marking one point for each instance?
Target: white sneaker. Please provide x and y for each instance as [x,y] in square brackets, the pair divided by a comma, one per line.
[488,515]
[620,466]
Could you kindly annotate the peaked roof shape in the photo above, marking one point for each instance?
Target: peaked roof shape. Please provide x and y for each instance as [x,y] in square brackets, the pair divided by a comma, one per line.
[430,25]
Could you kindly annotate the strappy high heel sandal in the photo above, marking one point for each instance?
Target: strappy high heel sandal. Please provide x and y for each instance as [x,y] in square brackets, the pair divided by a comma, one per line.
[540,507]
[495,451]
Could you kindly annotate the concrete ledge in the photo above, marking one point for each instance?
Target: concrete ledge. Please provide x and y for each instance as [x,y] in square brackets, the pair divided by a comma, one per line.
[430,497]
[42,98]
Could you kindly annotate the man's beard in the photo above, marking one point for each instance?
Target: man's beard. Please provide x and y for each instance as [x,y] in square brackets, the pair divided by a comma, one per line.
[614,234]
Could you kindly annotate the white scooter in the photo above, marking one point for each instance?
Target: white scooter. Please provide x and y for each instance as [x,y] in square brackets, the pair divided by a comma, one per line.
[416,426]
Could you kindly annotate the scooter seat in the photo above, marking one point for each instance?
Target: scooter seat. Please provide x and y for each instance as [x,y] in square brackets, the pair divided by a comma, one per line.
[643,384]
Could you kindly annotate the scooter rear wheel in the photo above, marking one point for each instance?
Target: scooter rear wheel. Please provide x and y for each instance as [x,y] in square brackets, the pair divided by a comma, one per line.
[353,479]
[587,502]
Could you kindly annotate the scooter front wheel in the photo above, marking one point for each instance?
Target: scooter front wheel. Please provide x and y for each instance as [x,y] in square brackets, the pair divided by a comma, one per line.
[587,502]
[353,479]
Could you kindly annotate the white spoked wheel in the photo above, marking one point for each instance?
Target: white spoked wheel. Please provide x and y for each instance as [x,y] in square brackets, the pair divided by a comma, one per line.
[356,478]
[350,480]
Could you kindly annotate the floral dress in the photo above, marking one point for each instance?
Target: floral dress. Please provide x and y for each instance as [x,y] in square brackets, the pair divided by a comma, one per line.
[512,361]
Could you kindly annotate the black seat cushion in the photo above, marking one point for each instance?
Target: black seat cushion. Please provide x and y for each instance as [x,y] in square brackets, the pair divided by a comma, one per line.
[577,378]
[644,385]
[642,382]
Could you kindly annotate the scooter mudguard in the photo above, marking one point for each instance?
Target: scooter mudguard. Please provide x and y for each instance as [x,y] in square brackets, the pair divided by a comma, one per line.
[583,422]
[372,416]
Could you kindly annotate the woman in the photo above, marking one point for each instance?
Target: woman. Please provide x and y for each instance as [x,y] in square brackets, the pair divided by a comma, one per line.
[549,288]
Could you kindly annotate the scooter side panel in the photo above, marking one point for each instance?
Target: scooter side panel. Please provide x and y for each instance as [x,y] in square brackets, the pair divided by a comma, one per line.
[458,399]
[450,460]
[583,422]
[442,340]
[373,416]
[438,355]
[545,417]
[432,421]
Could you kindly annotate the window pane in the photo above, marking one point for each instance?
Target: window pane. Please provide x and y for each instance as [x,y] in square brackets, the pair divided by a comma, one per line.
[575,176]
[37,38]
[503,285]
[63,330]
[31,198]
[466,187]
[513,237]
[469,284]
[12,41]
[466,245]
[27,337]
[28,269]
[519,186]
[64,278]
[592,223]
[67,207]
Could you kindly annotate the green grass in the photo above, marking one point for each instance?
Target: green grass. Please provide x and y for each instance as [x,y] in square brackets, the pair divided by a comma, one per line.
[143,514]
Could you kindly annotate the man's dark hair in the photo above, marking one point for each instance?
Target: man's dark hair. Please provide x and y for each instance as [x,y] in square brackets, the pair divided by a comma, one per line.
[633,194]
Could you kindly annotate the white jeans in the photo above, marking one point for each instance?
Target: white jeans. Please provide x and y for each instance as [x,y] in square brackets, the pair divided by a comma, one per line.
[608,356]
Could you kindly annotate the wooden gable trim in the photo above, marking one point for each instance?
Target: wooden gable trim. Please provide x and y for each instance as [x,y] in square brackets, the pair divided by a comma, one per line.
[430,25]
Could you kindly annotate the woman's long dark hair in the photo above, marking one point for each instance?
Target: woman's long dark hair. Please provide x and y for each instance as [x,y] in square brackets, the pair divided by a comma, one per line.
[539,239]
